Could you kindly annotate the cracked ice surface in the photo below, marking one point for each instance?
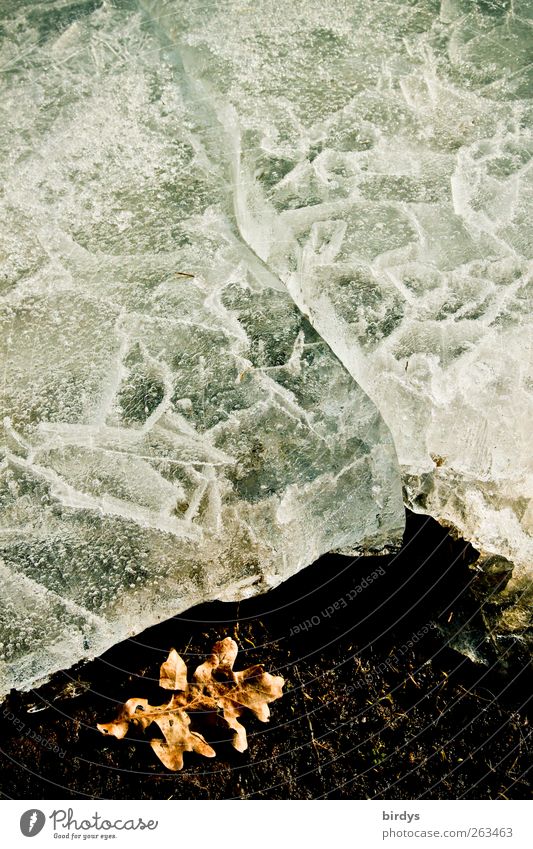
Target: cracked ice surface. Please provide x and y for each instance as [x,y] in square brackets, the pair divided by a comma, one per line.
[381,161]
[167,439]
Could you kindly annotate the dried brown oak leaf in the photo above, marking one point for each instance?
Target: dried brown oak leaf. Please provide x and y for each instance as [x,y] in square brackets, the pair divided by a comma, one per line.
[215,687]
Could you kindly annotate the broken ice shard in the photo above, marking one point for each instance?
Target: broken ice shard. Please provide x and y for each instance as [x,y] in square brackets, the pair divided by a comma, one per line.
[174,429]
[381,167]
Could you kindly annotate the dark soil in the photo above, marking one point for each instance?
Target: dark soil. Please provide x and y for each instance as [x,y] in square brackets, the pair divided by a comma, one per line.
[377,704]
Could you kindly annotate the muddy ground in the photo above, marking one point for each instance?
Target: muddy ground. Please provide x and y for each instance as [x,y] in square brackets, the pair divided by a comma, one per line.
[377,703]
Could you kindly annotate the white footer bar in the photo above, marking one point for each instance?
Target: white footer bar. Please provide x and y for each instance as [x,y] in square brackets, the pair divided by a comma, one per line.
[268,824]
